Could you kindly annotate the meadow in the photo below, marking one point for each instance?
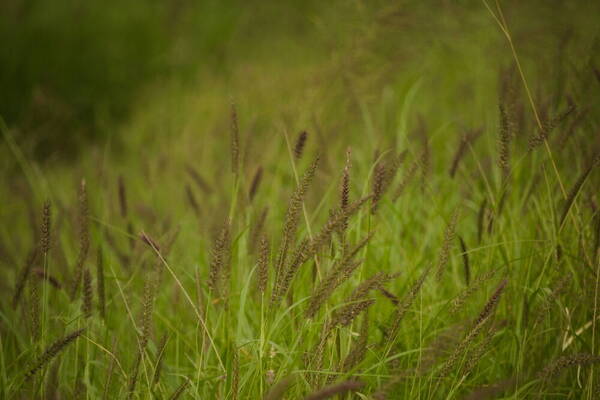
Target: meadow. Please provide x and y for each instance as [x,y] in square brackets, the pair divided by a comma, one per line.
[365,201]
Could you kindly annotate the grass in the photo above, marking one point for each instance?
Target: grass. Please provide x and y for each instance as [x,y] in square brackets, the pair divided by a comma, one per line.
[201,251]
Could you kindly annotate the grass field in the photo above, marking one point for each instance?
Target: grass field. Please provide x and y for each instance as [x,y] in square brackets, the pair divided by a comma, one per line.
[368,201]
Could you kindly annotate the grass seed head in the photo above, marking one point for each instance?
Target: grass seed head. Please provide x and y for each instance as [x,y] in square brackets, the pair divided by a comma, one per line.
[122,196]
[263,263]
[446,245]
[255,183]
[52,351]
[300,145]
[553,370]
[45,234]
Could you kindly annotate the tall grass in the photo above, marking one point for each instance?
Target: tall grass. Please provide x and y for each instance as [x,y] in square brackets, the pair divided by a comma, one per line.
[233,264]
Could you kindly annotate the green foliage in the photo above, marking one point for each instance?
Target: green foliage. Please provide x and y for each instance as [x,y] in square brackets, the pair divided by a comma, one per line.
[384,302]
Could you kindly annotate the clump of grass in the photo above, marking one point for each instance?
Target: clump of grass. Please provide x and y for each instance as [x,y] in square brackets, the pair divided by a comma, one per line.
[52,351]
[308,248]
[350,271]
[448,240]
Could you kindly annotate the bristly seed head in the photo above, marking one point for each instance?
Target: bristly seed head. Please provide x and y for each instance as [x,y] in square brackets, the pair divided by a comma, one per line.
[149,241]
[557,366]
[300,145]
[220,259]
[506,135]
[51,352]
[446,246]
[255,183]
[122,197]
[45,237]
[345,186]
[263,263]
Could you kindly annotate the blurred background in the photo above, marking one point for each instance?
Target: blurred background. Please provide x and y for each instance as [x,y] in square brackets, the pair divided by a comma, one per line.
[76,75]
